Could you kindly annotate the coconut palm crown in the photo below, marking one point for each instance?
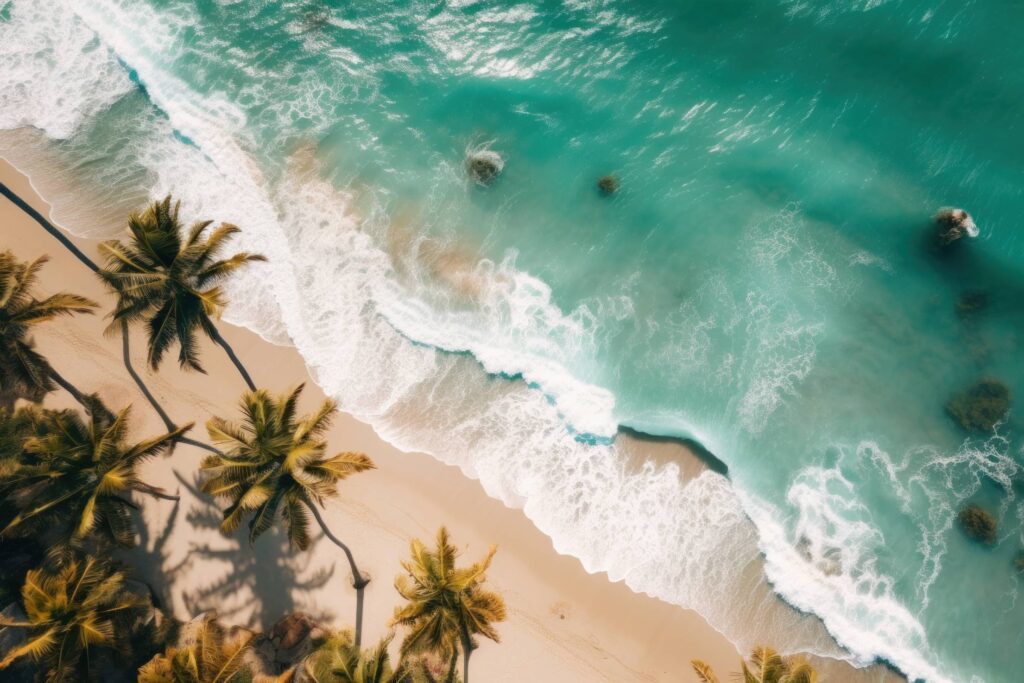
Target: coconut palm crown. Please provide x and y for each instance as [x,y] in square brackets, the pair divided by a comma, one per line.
[277,464]
[170,283]
[81,472]
[206,653]
[23,371]
[339,660]
[447,606]
[765,666]
[81,605]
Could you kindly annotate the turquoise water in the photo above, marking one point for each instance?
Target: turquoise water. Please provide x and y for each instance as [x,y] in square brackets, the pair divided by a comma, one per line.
[762,282]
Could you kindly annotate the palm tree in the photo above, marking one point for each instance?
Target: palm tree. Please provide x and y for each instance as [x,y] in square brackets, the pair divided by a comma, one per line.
[447,606]
[23,371]
[339,660]
[81,471]
[276,463]
[206,654]
[765,666]
[80,605]
[172,284]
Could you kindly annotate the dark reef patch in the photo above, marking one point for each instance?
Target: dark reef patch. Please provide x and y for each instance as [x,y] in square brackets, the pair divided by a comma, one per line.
[978,523]
[980,407]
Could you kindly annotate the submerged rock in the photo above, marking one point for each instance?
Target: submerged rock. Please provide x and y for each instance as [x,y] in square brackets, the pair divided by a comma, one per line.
[978,523]
[971,302]
[980,407]
[954,224]
[484,165]
[608,185]
[1019,562]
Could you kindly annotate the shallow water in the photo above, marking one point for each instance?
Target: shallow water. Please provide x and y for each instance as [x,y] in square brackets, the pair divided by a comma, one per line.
[762,281]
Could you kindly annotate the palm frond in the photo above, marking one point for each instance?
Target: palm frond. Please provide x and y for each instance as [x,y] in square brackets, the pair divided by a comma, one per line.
[298,524]
[265,514]
[273,457]
[704,671]
[801,672]
[37,646]
[54,306]
[343,465]
[162,332]
[23,371]
[768,666]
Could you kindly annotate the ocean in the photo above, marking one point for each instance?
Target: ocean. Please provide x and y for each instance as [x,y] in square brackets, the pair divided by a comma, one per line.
[765,280]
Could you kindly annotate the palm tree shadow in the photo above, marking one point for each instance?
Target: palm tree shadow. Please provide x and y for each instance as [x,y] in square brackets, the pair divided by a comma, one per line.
[260,582]
[151,565]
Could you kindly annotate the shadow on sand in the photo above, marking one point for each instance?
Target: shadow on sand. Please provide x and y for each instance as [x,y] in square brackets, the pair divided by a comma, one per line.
[253,585]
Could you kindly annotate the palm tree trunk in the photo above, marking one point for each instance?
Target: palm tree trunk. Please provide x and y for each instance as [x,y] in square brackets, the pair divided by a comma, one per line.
[57,234]
[165,496]
[155,492]
[126,355]
[358,580]
[70,388]
[154,597]
[168,422]
[467,650]
[220,341]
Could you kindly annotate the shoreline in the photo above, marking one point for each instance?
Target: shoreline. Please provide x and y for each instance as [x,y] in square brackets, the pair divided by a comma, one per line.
[636,637]
[564,622]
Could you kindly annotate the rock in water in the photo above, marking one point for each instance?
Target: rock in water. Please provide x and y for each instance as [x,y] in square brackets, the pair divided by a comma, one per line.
[608,185]
[978,523]
[981,406]
[954,224]
[484,165]
[971,303]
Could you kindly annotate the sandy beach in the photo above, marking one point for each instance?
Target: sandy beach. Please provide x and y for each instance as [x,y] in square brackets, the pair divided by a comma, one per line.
[564,624]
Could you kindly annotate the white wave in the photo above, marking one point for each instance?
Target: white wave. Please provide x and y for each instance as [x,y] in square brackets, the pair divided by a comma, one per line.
[946,481]
[827,563]
[82,79]
[847,599]
[515,329]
